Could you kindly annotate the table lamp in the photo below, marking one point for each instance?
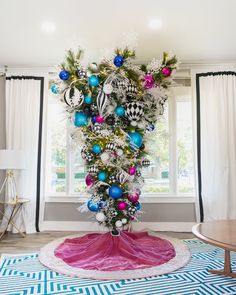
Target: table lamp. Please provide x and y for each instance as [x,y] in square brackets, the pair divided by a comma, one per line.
[10,160]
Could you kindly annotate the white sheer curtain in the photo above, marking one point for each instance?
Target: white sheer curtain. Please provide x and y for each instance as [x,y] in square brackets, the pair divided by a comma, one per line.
[22,132]
[217,101]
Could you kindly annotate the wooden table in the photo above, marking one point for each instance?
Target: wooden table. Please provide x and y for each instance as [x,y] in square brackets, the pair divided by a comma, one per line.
[16,207]
[221,234]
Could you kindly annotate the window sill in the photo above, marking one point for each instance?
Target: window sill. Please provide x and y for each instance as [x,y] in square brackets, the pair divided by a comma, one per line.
[145,199]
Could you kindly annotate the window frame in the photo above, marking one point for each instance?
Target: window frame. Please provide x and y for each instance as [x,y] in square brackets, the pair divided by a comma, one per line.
[69,196]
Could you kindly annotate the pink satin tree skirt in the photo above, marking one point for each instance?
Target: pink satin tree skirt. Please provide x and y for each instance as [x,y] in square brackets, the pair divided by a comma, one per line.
[104,252]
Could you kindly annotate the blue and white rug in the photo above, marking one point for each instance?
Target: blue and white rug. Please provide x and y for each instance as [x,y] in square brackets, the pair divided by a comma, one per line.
[24,275]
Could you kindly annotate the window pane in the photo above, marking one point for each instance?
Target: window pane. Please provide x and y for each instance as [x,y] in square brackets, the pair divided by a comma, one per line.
[185,170]
[157,174]
[57,147]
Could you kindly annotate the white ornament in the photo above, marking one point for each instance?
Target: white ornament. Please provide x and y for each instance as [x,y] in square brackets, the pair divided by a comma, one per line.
[105,157]
[118,223]
[100,217]
[119,152]
[107,88]
[134,123]
[124,220]
[93,67]
[141,125]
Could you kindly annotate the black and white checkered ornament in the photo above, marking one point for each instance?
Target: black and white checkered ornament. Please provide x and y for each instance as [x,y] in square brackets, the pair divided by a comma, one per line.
[132,210]
[93,170]
[73,97]
[97,128]
[111,147]
[138,173]
[134,111]
[121,85]
[145,163]
[81,74]
[84,151]
[131,90]
[150,127]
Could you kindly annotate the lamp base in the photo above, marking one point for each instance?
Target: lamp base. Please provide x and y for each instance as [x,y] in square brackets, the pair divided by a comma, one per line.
[9,185]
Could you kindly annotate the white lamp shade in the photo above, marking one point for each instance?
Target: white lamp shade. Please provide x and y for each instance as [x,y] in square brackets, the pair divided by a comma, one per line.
[11,160]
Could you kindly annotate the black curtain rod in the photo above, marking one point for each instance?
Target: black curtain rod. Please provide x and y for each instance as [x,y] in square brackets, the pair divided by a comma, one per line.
[23,78]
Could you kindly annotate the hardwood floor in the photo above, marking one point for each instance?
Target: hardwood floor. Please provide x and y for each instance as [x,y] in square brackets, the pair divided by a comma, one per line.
[14,243]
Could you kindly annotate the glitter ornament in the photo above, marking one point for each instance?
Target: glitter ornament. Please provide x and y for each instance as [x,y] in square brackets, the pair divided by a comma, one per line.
[134,197]
[122,205]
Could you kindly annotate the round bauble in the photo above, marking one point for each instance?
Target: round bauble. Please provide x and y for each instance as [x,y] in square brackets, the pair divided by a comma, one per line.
[134,111]
[96,148]
[100,217]
[102,189]
[93,67]
[107,88]
[135,139]
[118,223]
[112,179]
[81,74]
[80,119]
[55,88]
[102,176]
[119,152]
[93,119]
[102,204]
[73,97]
[124,220]
[138,206]
[99,119]
[134,197]
[122,206]
[131,90]
[115,191]
[89,180]
[132,170]
[134,123]
[89,157]
[115,232]
[118,61]
[92,206]
[88,99]
[93,80]
[64,75]
[120,111]
[105,157]
[166,71]
[150,127]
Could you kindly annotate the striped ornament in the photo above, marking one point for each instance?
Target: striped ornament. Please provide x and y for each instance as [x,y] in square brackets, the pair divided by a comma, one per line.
[102,101]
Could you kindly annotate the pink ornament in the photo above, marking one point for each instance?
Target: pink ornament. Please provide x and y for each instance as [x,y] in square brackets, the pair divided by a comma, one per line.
[149,81]
[122,205]
[89,180]
[133,197]
[99,119]
[166,71]
[132,171]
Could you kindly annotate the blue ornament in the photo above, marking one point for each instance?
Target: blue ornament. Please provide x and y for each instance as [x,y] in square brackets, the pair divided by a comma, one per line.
[150,127]
[88,99]
[120,111]
[115,192]
[94,207]
[96,148]
[118,60]
[80,119]
[138,206]
[93,119]
[102,176]
[93,80]
[55,88]
[135,139]
[64,75]
[102,204]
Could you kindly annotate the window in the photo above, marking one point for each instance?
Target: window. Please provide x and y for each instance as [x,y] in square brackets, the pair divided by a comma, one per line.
[171,172]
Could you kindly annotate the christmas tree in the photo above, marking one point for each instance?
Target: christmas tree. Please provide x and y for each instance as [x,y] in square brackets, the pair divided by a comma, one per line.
[114,106]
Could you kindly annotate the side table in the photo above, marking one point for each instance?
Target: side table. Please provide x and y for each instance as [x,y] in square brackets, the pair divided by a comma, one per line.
[15,209]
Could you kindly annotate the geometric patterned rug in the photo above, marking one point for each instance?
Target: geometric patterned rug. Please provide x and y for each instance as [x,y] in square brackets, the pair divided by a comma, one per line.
[24,275]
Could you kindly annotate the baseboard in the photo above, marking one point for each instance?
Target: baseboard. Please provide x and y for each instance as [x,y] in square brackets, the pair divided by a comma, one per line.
[93,226]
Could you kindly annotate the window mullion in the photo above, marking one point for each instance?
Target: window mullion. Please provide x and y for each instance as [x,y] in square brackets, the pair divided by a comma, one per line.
[68,161]
[172,146]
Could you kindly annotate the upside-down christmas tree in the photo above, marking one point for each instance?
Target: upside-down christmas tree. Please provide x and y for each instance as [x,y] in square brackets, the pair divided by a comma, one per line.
[114,106]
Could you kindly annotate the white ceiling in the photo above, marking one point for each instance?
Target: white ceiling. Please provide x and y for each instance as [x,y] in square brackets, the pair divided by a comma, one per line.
[196,30]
